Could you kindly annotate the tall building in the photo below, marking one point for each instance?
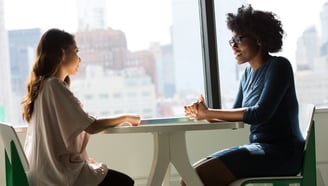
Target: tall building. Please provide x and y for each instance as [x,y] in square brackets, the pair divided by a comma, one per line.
[324,31]
[5,88]
[167,70]
[165,76]
[22,48]
[307,49]
[106,48]
[324,22]
[311,77]
[143,59]
[128,90]
[91,14]
[128,78]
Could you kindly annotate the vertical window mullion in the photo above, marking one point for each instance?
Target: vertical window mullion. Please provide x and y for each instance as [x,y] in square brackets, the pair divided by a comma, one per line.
[210,58]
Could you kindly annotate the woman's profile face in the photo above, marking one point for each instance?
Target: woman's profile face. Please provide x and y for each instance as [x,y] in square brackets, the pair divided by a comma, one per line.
[244,47]
[71,60]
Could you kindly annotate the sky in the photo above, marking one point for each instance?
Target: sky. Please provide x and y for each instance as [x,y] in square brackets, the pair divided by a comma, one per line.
[29,14]
[150,24]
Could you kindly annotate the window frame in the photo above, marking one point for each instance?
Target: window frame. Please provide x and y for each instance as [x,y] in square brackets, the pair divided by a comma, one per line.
[210,54]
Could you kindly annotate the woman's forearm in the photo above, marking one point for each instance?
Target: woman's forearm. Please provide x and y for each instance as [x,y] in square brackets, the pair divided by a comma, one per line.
[225,115]
[101,124]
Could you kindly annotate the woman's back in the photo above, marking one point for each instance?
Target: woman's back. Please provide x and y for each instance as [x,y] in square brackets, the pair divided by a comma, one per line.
[56,141]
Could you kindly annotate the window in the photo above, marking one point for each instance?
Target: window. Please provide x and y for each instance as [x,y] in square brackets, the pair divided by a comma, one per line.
[155,56]
[305,45]
[145,57]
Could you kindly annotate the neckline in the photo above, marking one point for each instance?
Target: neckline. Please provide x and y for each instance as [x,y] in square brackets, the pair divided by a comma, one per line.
[266,62]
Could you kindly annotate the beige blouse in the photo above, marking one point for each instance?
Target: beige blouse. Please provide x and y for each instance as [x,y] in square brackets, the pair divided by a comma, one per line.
[55,143]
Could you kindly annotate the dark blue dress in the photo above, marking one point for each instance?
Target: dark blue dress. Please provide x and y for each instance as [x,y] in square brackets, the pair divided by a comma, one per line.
[275,142]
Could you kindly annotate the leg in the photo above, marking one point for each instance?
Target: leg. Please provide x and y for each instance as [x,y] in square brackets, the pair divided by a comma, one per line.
[213,172]
[116,178]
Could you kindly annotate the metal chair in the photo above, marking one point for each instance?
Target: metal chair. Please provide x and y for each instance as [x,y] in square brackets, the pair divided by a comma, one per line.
[15,160]
[307,176]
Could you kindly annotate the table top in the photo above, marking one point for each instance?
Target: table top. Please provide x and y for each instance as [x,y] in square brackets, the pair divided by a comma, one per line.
[173,124]
[166,125]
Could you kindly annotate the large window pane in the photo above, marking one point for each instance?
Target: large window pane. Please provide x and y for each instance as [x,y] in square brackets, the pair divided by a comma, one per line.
[305,45]
[228,68]
[137,56]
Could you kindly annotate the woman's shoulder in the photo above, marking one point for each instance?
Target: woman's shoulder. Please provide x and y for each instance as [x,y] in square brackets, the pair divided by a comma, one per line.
[54,84]
[280,62]
[53,81]
[280,65]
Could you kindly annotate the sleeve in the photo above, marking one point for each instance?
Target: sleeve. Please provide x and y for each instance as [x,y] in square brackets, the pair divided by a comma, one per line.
[70,116]
[239,98]
[278,79]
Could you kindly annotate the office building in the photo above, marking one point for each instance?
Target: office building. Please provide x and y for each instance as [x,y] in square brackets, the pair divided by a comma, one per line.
[324,31]
[107,48]
[128,90]
[307,49]
[324,22]
[22,48]
[312,64]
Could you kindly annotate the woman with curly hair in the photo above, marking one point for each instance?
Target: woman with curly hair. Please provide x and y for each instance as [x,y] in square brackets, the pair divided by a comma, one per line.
[266,100]
[58,127]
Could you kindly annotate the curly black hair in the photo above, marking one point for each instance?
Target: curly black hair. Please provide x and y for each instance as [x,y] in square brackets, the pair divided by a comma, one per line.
[263,26]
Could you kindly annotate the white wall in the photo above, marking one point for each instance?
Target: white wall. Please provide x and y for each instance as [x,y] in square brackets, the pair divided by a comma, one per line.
[133,153]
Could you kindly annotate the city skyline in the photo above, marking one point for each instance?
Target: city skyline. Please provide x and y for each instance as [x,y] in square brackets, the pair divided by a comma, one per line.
[131,24]
[188,52]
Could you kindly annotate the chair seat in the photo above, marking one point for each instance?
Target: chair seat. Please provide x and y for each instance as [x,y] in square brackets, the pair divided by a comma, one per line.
[264,179]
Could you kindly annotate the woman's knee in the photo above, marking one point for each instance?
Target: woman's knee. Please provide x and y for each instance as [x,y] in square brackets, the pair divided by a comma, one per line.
[214,172]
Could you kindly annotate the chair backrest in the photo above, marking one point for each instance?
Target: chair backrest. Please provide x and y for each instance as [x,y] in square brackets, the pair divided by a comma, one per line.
[306,112]
[15,159]
[307,126]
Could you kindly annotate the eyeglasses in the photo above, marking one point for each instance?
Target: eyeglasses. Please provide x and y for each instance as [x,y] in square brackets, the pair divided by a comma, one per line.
[236,40]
